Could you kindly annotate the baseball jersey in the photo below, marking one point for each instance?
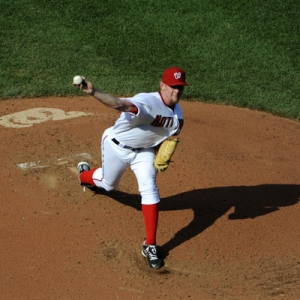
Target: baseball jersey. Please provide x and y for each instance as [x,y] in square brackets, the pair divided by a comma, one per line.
[152,124]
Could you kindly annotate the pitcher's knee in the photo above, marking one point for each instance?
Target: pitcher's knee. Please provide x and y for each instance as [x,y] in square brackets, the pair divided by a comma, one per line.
[104,185]
[150,196]
[102,182]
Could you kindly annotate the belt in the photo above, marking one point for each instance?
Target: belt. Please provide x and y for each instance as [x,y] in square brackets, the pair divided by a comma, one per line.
[124,146]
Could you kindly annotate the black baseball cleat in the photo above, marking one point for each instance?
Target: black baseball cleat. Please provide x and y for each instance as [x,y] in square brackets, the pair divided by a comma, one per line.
[153,260]
[81,167]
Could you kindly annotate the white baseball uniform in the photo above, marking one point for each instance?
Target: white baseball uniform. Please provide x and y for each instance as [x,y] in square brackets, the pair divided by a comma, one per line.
[131,142]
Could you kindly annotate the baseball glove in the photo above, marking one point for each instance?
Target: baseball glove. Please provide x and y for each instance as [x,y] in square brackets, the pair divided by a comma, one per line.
[164,154]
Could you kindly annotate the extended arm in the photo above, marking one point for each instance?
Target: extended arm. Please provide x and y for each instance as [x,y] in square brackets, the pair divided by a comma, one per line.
[106,99]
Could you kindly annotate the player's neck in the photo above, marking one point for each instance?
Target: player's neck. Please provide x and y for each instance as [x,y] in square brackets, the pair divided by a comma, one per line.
[170,105]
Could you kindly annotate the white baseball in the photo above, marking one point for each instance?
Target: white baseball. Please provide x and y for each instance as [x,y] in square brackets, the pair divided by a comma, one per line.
[77,80]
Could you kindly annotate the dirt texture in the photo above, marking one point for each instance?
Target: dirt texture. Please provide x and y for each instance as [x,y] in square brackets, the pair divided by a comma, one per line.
[229,220]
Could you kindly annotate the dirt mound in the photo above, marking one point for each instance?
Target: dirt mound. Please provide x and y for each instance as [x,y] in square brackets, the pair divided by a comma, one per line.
[229,220]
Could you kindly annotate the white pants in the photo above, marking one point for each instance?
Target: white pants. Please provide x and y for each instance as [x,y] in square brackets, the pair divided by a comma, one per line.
[115,159]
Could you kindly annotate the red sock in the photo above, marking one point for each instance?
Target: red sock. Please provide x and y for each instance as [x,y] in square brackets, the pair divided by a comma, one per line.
[86,177]
[150,213]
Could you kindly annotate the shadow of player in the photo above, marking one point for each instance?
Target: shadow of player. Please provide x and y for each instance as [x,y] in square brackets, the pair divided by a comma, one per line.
[210,204]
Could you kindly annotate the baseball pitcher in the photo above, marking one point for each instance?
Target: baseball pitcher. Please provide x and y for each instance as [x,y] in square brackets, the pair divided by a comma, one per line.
[143,139]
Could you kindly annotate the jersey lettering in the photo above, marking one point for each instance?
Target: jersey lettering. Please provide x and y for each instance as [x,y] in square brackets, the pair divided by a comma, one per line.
[161,121]
[166,122]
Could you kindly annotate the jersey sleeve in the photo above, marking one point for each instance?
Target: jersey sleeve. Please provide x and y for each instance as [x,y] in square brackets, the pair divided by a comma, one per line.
[142,106]
[178,112]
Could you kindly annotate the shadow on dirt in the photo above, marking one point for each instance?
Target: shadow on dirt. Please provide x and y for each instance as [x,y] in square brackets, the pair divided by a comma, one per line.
[210,204]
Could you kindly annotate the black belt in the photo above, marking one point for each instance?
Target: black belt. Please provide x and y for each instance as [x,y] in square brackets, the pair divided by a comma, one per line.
[124,146]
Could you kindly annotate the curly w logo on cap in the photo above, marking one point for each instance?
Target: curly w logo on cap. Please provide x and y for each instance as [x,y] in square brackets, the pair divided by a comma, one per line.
[174,76]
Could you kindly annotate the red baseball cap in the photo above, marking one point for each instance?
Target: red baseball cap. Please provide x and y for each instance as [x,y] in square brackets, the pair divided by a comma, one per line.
[174,76]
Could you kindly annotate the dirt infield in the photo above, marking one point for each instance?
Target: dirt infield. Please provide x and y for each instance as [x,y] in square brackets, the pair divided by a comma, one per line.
[229,221]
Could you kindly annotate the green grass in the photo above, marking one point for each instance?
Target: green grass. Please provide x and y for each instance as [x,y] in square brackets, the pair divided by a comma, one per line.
[243,53]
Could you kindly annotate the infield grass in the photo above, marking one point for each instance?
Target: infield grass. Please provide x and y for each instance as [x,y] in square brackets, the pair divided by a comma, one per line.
[243,53]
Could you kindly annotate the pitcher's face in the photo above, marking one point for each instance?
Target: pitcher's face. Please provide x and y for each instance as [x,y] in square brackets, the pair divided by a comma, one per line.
[171,94]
